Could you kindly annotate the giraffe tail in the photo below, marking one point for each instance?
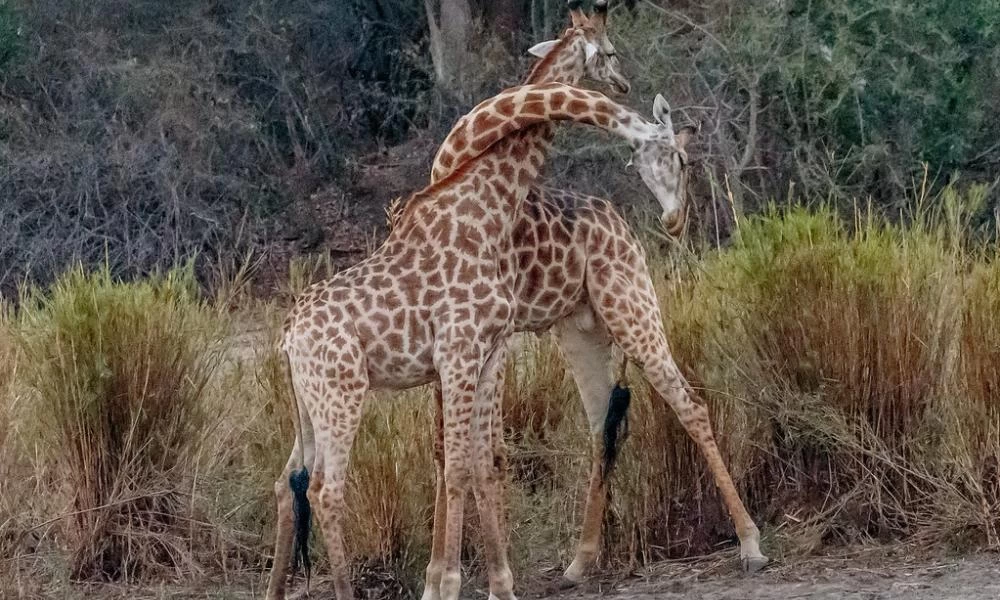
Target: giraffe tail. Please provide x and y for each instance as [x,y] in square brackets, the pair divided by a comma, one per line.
[615,425]
[298,481]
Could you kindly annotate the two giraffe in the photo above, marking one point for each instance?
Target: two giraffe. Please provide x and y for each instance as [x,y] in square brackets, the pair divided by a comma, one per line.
[438,300]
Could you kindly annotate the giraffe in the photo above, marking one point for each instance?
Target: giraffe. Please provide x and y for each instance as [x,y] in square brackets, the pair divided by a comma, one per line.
[435,302]
[612,303]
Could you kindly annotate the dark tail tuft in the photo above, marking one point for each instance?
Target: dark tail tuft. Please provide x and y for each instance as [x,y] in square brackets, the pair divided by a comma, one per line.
[615,425]
[299,482]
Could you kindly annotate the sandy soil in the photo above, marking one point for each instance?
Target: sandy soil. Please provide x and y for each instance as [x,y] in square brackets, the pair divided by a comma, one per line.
[851,578]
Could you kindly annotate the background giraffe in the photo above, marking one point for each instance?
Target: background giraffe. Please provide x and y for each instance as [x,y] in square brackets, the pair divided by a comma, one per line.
[436,301]
[556,230]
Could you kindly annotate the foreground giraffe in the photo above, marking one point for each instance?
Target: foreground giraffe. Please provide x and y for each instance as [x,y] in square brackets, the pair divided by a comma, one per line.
[610,302]
[436,302]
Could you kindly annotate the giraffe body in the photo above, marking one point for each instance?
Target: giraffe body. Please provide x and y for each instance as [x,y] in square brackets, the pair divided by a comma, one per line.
[434,302]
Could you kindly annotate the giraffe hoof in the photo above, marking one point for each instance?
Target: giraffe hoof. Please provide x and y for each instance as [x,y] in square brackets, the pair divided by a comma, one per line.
[752,564]
[574,575]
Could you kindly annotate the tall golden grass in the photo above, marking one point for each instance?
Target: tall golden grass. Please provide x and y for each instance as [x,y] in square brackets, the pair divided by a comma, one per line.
[850,367]
[9,459]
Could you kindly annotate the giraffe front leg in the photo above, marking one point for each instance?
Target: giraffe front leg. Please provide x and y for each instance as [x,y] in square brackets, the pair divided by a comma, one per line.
[500,466]
[586,345]
[622,294]
[468,382]
[459,375]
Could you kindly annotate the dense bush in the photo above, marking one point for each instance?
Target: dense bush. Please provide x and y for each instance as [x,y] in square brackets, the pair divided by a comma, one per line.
[878,87]
[841,344]
[809,101]
[140,133]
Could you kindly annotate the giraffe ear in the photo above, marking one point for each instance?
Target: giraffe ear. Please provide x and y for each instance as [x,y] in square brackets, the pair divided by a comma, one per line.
[541,50]
[591,51]
[661,112]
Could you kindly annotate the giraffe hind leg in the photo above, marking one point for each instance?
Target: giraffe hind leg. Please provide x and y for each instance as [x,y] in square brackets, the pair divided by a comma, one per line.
[435,567]
[285,526]
[622,294]
[337,392]
[284,529]
[329,483]
[587,348]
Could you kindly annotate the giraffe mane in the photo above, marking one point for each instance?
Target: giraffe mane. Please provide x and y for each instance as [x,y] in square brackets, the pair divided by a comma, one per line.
[547,60]
[401,210]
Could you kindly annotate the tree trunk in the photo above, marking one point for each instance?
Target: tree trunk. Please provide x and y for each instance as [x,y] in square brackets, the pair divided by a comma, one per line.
[449,37]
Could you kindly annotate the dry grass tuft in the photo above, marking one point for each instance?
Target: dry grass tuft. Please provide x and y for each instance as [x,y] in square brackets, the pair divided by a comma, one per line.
[9,459]
[117,373]
[390,493]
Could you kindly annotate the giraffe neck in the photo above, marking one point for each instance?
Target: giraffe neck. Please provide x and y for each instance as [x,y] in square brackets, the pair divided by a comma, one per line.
[519,110]
[563,64]
[495,170]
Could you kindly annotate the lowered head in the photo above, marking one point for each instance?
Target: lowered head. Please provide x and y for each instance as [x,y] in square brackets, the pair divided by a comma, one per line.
[661,161]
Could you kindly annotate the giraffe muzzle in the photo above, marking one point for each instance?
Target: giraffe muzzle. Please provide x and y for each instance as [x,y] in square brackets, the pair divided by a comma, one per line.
[673,222]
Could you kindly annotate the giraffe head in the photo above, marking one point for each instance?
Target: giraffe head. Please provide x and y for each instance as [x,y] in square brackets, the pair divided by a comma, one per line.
[661,161]
[584,44]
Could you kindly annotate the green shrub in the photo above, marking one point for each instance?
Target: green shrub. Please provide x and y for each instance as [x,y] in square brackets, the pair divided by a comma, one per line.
[866,90]
[10,34]
[118,371]
[842,342]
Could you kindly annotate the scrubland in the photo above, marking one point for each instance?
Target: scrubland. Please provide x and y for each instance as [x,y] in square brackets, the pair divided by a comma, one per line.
[850,365]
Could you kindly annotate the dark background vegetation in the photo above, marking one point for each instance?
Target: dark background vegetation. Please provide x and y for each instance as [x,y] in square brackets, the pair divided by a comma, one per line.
[140,132]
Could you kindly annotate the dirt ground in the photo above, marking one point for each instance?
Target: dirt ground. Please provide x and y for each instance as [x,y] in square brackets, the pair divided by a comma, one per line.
[849,578]
[873,573]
